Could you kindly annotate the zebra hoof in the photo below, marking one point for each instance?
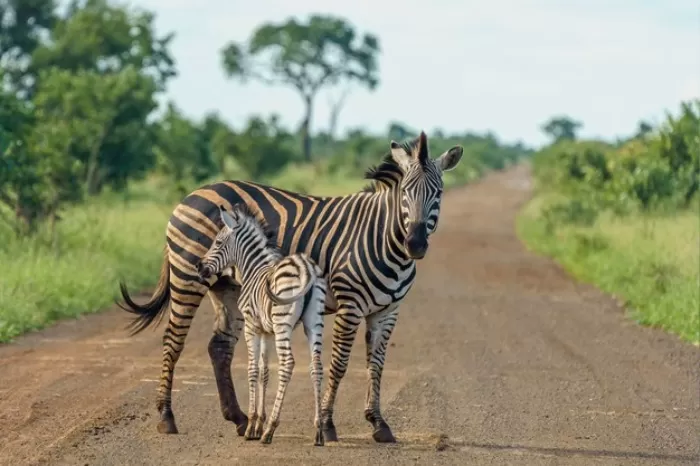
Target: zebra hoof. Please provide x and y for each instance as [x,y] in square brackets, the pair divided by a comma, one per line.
[241,428]
[383,435]
[328,431]
[267,438]
[167,424]
[319,438]
[240,420]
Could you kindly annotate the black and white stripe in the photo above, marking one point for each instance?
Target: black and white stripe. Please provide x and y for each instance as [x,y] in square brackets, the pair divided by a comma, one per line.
[366,244]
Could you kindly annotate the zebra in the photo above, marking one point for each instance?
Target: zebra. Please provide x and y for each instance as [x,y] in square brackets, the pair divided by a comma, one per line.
[246,245]
[367,244]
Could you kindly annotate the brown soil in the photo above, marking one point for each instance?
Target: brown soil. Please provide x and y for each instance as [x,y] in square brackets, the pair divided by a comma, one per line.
[498,358]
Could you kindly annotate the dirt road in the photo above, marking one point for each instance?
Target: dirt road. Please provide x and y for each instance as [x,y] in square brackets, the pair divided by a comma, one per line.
[498,358]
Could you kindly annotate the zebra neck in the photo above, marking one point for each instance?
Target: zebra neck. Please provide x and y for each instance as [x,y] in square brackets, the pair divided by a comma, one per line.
[255,263]
[391,228]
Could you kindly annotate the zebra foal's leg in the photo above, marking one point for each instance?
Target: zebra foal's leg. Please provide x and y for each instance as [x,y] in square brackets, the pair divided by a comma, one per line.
[253,341]
[345,325]
[313,329]
[379,329]
[228,324]
[185,298]
[266,343]
[285,367]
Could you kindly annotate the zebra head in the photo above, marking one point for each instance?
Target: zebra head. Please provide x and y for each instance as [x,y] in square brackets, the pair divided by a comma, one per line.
[241,229]
[421,189]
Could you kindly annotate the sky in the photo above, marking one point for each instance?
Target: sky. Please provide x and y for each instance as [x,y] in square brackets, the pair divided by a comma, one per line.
[504,66]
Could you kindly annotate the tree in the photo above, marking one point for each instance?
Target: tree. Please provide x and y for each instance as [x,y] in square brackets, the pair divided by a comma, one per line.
[398,131]
[182,150]
[107,116]
[307,56]
[23,24]
[561,128]
[105,67]
[643,129]
[98,36]
[264,147]
[36,175]
[221,141]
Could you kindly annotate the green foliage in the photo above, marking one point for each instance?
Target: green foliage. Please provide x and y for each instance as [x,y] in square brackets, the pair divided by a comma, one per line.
[562,128]
[104,37]
[658,171]
[625,217]
[76,104]
[24,23]
[182,151]
[96,245]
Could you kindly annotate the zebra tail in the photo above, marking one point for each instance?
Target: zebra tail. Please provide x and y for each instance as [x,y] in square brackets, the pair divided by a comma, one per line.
[147,313]
[310,279]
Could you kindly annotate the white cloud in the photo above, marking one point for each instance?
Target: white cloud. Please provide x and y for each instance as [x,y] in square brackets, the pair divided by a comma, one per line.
[504,65]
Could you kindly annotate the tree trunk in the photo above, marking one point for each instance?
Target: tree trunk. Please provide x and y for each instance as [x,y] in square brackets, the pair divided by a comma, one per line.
[336,107]
[92,181]
[306,129]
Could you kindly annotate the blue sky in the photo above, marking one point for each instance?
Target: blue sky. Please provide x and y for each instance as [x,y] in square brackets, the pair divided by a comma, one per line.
[499,65]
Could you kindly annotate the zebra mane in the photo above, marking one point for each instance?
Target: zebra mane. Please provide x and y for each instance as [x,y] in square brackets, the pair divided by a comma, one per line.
[270,233]
[383,176]
[388,174]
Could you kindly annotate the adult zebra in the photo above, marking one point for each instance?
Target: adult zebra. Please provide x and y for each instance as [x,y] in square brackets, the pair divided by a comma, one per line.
[366,243]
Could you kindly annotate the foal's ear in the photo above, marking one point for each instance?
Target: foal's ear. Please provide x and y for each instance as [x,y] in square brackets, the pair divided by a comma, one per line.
[227,218]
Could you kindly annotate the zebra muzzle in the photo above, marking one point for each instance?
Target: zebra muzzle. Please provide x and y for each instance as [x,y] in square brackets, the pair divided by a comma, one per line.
[417,240]
[204,270]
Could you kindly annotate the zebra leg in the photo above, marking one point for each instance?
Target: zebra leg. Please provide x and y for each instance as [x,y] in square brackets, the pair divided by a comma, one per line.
[266,342]
[227,329]
[285,361]
[313,329]
[185,298]
[253,341]
[379,329]
[345,327]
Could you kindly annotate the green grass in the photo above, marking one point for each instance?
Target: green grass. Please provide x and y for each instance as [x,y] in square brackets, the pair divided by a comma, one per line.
[652,262]
[96,245]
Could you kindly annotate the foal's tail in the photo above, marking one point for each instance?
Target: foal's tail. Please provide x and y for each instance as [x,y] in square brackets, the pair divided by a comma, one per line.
[292,272]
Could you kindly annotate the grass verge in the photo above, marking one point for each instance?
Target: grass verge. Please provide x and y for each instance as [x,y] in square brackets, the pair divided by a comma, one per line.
[652,262]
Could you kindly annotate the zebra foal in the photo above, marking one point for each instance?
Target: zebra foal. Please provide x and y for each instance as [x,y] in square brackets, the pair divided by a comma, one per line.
[277,292]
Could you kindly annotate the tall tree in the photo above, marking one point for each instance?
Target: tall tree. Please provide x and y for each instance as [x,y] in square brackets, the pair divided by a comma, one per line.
[561,128]
[23,24]
[307,56]
[104,67]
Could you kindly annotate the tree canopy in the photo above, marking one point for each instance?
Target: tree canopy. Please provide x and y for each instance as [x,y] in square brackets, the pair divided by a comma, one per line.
[306,56]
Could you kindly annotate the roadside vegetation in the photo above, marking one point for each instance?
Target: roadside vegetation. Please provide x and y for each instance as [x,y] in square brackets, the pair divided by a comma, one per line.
[625,216]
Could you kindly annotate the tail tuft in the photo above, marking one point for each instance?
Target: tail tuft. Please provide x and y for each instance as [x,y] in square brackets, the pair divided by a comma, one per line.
[147,313]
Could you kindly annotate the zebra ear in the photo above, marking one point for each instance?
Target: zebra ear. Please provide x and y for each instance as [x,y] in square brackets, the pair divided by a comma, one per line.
[422,148]
[450,158]
[400,156]
[228,219]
